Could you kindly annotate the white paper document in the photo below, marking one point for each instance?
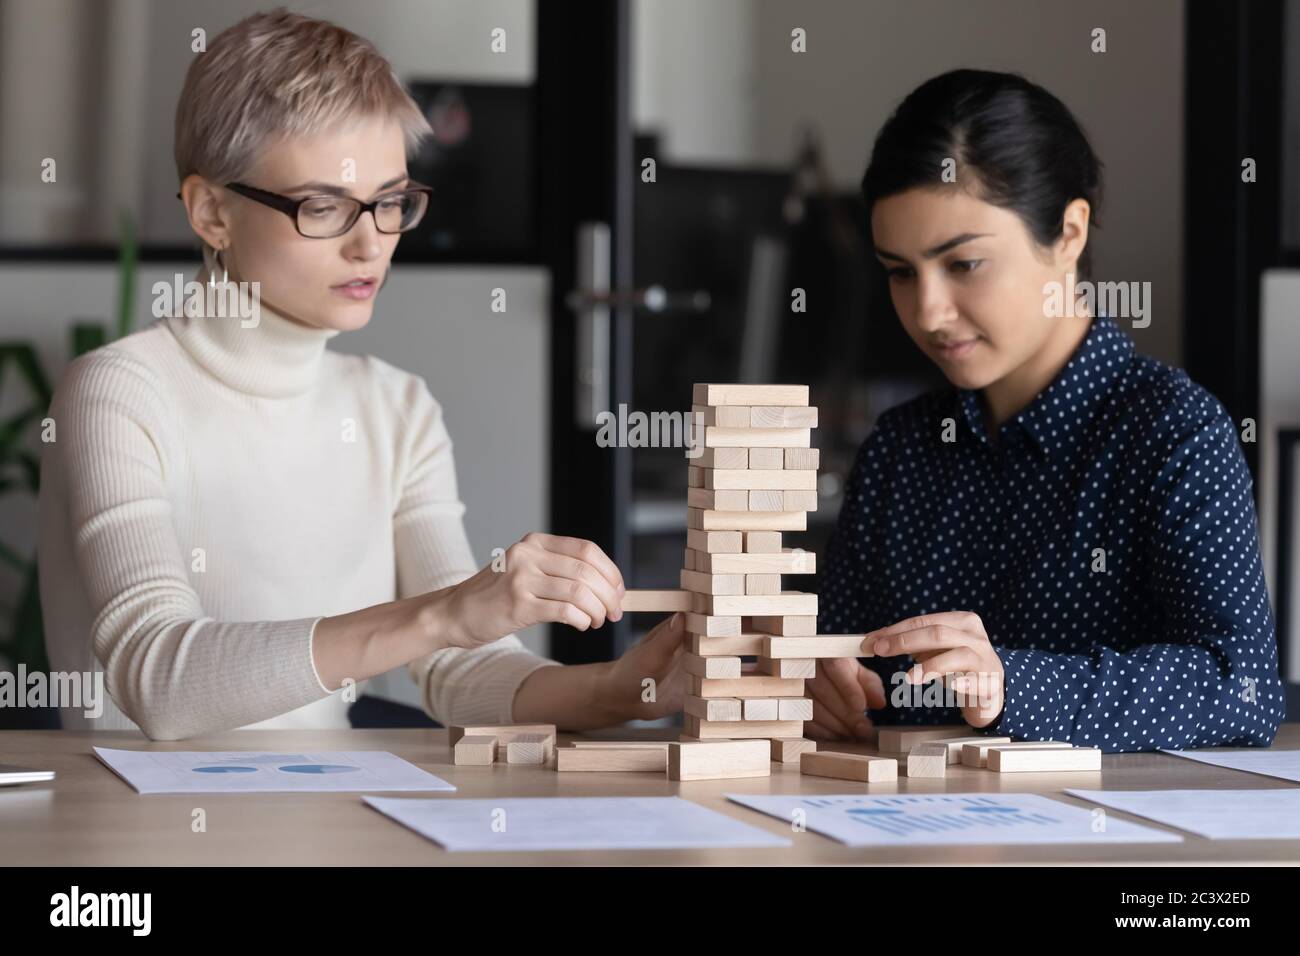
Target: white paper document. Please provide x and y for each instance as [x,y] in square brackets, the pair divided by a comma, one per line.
[1283,764]
[330,771]
[1215,814]
[572,823]
[951,819]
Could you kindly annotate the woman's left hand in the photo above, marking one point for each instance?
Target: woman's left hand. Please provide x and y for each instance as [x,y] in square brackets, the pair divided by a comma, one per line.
[950,643]
[648,681]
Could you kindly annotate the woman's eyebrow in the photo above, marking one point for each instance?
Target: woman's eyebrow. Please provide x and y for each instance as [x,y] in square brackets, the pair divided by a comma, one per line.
[335,190]
[938,250]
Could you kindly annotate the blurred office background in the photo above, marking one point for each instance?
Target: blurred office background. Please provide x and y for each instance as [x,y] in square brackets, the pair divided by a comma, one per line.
[622,291]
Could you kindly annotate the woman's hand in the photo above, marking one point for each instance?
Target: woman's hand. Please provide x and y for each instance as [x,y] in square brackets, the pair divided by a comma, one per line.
[842,691]
[949,643]
[647,682]
[544,578]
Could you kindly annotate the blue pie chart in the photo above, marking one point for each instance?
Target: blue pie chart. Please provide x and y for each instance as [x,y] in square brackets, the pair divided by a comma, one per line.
[318,768]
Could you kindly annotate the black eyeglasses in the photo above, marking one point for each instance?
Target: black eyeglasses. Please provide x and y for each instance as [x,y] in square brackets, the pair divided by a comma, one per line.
[325,217]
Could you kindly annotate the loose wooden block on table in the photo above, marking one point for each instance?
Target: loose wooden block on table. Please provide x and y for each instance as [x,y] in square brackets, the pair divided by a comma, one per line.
[762,583]
[702,519]
[788,561]
[786,666]
[530,749]
[474,750]
[762,542]
[702,582]
[724,499]
[767,459]
[623,744]
[611,759]
[749,605]
[758,479]
[927,760]
[715,542]
[651,600]
[708,393]
[740,729]
[790,749]
[713,708]
[747,685]
[903,739]
[712,667]
[734,459]
[954,745]
[713,625]
[815,646]
[782,416]
[976,755]
[785,625]
[801,459]
[849,767]
[504,733]
[1043,759]
[740,645]
[719,760]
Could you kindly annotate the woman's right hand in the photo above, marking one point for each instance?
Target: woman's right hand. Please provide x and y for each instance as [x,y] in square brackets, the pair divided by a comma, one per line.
[544,578]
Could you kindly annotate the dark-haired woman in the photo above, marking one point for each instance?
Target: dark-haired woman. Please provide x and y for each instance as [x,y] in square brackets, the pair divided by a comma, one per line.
[1063,544]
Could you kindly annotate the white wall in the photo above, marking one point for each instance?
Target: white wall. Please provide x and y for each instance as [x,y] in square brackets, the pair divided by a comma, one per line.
[721,83]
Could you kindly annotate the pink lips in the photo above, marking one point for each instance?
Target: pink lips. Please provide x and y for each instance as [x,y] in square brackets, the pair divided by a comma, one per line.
[957,350]
[359,289]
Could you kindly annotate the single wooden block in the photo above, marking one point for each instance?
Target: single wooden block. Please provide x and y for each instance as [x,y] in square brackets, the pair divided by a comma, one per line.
[741,645]
[927,760]
[783,416]
[787,602]
[976,754]
[746,520]
[765,501]
[903,739]
[530,749]
[786,625]
[794,708]
[1044,759]
[712,708]
[731,458]
[788,561]
[802,459]
[650,600]
[702,582]
[504,733]
[475,750]
[716,437]
[762,542]
[719,760]
[787,667]
[746,685]
[649,744]
[797,500]
[741,729]
[849,767]
[760,479]
[767,459]
[790,749]
[704,393]
[712,625]
[762,584]
[612,759]
[816,645]
[689,561]
[727,416]
[723,500]
[761,708]
[713,667]
[954,745]
[695,476]
[715,542]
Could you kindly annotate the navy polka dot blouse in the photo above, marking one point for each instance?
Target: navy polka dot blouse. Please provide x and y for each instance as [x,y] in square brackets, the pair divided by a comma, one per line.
[1107,540]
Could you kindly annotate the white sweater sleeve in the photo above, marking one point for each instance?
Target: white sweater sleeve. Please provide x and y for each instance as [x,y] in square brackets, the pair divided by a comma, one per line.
[457,685]
[172,669]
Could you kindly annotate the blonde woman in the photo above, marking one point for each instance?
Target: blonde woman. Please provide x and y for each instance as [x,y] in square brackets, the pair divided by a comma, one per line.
[208,539]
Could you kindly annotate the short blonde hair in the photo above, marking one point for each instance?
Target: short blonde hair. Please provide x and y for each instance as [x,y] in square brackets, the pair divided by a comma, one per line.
[280,74]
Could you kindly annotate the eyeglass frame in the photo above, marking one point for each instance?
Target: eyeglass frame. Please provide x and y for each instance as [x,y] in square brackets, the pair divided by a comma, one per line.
[290,206]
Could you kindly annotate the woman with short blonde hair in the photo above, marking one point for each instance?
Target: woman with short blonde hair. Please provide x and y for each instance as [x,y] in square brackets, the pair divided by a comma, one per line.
[236,522]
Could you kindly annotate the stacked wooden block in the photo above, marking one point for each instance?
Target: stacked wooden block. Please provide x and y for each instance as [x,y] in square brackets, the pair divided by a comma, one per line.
[755,480]
[502,743]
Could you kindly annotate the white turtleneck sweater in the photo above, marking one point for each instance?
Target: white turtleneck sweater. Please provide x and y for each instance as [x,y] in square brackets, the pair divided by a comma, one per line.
[212,492]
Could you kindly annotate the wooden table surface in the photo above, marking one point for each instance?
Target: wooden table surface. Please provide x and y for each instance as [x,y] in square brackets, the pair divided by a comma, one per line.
[89,816]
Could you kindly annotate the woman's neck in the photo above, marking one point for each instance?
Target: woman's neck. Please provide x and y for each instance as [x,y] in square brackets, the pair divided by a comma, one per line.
[1011,394]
